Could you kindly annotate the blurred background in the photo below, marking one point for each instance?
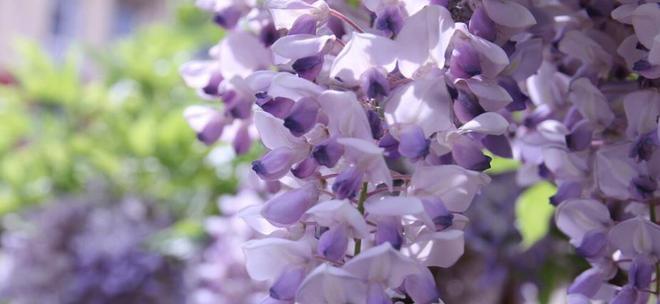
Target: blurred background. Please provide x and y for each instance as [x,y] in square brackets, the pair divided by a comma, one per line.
[106,196]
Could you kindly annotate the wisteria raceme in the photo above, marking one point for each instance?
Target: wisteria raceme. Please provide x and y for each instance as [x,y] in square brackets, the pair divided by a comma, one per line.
[376,117]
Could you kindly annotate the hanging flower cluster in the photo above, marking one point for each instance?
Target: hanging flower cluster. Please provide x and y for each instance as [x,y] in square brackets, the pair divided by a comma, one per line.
[376,117]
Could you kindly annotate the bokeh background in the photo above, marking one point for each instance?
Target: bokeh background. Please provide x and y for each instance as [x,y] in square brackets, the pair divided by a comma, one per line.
[106,196]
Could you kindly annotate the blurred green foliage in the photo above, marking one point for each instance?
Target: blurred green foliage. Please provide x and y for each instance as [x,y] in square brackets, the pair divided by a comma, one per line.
[534,211]
[112,118]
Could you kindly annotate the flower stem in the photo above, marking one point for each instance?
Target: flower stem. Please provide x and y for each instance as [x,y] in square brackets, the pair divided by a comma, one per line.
[343,17]
[360,208]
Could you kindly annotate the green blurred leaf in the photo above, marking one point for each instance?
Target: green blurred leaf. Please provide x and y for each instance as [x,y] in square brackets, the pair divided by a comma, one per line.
[534,211]
[500,165]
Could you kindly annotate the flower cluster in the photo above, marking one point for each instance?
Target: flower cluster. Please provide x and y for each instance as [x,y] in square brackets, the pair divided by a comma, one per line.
[376,117]
[76,251]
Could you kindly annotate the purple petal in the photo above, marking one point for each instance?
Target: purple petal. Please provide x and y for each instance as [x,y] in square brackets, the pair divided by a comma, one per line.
[464,61]
[389,20]
[348,183]
[374,83]
[389,230]
[302,117]
[481,25]
[308,67]
[287,208]
[285,287]
[421,287]
[328,152]
[333,243]
[413,144]
[305,168]
[305,24]
[274,164]
[498,145]
[279,107]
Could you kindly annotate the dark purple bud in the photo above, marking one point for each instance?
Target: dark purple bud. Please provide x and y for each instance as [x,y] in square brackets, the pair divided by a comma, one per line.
[464,61]
[268,34]
[302,117]
[305,24]
[389,230]
[444,3]
[390,145]
[389,20]
[375,123]
[643,187]
[466,107]
[279,107]
[336,26]
[286,285]
[498,145]
[593,244]
[482,26]
[566,191]
[333,243]
[376,295]
[274,164]
[468,155]
[438,212]
[347,183]
[328,152]
[240,108]
[287,208]
[573,117]
[412,143]
[242,141]
[640,273]
[642,65]
[580,136]
[644,147]
[374,83]
[421,288]
[212,87]
[305,168]
[212,130]
[228,17]
[308,67]
[627,295]
[519,102]
[587,283]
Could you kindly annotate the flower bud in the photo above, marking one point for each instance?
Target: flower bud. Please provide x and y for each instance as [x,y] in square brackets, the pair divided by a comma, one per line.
[206,122]
[228,17]
[242,141]
[274,164]
[286,285]
[482,26]
[305,24]
[268,34]
[305,168]
[287,208]
[347,183]
[389,20]
[389,230]
[328,152]
[413,144]
[279,107]
[308,67]
[464,61]
[374,83]
[580,137]
[333,243]
[302,117]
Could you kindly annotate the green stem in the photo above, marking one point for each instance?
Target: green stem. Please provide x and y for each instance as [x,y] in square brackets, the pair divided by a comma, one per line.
[360,208]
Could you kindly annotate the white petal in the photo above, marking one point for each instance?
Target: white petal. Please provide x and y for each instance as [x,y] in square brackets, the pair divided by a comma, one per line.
[615,159]
[442,248]
[382,264]
[362,52]
[591,103]
[636,236]
[394,206]
[293,87]
[646,21]
[642,109]
[329,213]
[197,74]
[455,185]
[486,123]
[327,284]
[265,259]
[346,116]
[654,54]
[240,54]
[273,133]
[492,97]
[298,46]
[369,158]
[575,217]
[198,117]
[422,102]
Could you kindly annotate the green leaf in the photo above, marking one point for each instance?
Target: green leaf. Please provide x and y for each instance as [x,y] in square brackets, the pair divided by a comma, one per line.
[500,164]
[533,212]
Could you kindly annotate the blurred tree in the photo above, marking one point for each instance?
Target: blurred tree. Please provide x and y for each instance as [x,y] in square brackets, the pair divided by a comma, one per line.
[112,119]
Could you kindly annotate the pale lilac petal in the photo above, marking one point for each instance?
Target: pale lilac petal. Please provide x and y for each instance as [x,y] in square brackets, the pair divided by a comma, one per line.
[240,54]
[286,12]
[591,103]
[266,259]
[394,206]
[292,87]
[331,212]
[346,116]
[646,21]
[441,249]
[422,102]
[642,109]
[576,217]
[273,133]
[614,159]
[509,13]
[382,264]
[327,284]
[487,123]
[361,53]
[492,97]
[299,46]
[369,157]
[636,236]
[457,189]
